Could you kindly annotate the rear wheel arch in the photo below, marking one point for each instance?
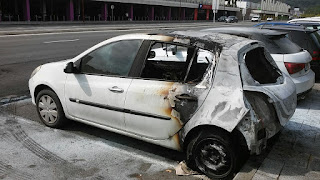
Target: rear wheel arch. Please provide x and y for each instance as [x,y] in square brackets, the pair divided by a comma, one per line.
[235,135]
[199,137]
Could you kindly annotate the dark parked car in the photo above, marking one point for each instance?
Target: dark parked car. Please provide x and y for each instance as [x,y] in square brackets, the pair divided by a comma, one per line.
[308,39]
[222,18]
[231,19]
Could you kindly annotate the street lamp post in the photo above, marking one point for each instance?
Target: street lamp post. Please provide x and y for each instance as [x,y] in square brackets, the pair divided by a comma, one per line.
[83,10]
[180,11]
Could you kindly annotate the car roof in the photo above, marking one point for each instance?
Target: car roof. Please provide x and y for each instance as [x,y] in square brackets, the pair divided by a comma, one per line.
[305,23]
[310,19]
[275,24]
[289,28]
[246,31]
[211,41]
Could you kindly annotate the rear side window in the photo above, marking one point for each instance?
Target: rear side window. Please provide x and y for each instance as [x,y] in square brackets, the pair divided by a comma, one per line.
[316,38]
[260,68]
[304,40]
[279,44]
[171,62]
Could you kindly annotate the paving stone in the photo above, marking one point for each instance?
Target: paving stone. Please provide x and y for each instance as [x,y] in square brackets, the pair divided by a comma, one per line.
[307,146]
[294,173]
[314,164]
[259,176]
[307,131]
[270,168]
[290,157]
[246,172]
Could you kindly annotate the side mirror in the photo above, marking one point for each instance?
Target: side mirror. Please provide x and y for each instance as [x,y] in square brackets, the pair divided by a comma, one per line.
[151,55]
[70,68]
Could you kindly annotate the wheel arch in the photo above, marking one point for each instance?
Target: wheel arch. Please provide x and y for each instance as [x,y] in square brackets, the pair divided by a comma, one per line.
[236,136]
[41,87]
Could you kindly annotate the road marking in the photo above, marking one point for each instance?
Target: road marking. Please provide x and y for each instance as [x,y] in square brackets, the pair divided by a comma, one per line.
[61,41]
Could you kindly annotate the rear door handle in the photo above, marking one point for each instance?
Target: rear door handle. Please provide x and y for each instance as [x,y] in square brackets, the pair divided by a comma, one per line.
[116,89]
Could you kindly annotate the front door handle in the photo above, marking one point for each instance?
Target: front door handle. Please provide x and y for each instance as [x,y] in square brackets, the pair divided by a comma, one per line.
[116,89]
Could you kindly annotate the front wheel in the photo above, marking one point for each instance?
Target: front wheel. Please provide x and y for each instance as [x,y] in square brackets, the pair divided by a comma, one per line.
[49,109]
[213,154]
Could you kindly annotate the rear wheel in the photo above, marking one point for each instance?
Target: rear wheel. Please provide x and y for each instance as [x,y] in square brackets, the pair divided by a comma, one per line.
[213,154]
[49,109]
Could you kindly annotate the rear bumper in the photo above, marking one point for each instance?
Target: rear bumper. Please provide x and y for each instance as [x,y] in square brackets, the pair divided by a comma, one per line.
[304,83]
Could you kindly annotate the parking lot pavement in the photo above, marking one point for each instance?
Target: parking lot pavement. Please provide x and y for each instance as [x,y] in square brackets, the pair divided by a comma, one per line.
[29,150]
[295,154]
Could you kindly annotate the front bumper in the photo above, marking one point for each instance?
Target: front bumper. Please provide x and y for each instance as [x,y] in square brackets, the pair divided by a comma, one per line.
[32,89]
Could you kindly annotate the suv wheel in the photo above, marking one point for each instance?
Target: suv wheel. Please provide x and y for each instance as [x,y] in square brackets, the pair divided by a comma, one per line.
[49,109]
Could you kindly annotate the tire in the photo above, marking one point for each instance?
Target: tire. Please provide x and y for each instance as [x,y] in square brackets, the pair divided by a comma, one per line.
[213,154]
[49,109]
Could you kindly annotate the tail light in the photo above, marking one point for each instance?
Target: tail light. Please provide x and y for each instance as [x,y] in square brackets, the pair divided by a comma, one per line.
[294,67]
[316,55]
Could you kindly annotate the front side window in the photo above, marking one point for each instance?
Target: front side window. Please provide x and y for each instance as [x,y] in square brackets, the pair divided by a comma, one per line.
[112,59]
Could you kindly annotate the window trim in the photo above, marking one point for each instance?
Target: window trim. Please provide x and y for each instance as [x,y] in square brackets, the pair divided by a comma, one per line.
[152,42]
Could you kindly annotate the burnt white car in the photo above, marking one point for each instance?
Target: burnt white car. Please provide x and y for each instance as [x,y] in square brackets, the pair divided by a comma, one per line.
[206,107]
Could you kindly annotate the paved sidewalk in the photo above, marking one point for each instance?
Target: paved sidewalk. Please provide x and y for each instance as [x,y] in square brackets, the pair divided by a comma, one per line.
[296,153]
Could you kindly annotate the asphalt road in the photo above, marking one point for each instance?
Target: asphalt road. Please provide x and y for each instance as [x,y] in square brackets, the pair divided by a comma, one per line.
[21,54]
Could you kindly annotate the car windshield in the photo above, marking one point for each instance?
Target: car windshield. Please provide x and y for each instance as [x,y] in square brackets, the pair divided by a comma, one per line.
[279,44]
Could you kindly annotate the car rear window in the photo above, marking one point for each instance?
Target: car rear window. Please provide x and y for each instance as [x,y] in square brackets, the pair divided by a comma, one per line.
[279,44]
[260,68]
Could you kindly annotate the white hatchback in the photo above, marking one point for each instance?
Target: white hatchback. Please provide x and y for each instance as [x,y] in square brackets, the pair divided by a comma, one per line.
[256,19]
[290,58]
[204,95]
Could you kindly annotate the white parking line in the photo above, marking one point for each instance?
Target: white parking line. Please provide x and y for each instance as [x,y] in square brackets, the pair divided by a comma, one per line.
[61,41]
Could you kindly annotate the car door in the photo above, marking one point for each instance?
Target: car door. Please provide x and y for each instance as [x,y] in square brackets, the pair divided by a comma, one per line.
[97,93]
[168,91]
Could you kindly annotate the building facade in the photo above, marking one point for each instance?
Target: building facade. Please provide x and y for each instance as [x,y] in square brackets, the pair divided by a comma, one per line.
[112,10]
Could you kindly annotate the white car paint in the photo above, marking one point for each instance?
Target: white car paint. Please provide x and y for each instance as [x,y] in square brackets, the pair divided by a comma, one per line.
[228,90]
[304,79]
[269,19]
[310,19]
[256,19]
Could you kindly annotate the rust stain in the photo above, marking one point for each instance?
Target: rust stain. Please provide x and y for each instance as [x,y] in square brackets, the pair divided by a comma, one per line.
[168,111]
[178,121]
[165,90]
[176,139]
